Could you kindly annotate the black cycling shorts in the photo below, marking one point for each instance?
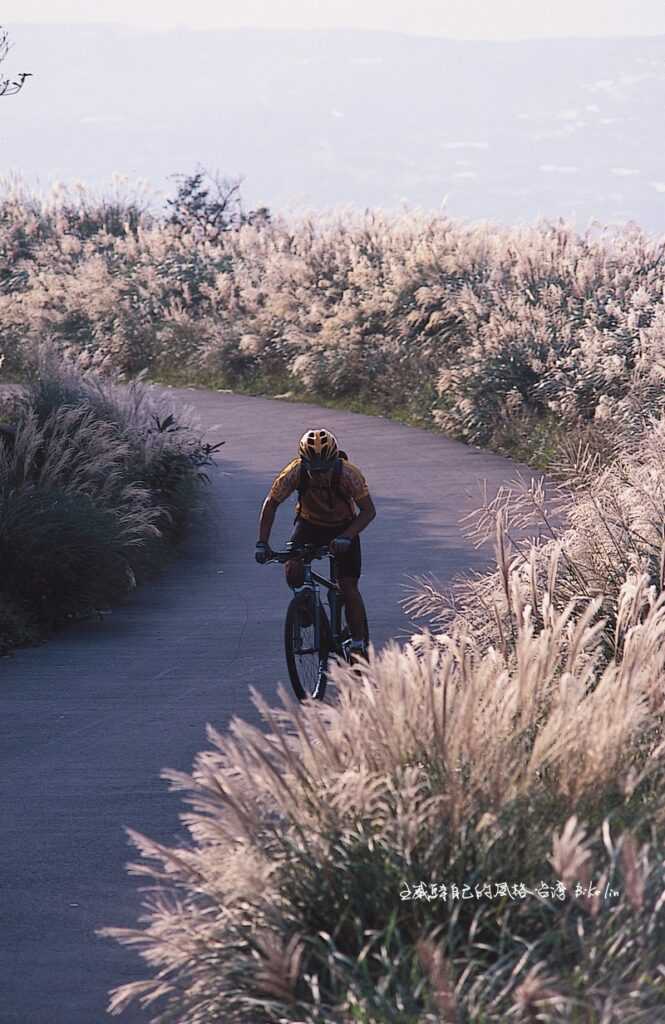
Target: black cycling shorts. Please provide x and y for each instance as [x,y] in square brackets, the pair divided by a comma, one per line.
[348,565]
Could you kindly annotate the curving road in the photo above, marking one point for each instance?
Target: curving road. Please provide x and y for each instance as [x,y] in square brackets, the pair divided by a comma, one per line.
[89,720]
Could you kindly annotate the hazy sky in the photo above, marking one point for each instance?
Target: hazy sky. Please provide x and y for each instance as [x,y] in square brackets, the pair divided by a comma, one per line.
[470,19]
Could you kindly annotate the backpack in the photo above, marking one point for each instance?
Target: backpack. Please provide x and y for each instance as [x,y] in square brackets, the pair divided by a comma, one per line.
[303,480]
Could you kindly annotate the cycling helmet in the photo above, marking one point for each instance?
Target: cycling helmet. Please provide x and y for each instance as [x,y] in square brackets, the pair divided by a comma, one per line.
[318,449]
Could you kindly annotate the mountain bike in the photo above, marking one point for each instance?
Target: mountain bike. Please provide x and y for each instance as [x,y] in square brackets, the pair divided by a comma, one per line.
[310,635]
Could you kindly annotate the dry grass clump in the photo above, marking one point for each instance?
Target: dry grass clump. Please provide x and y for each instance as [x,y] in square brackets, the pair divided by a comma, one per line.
[609,557]
[95,480]
[442,766]
[502,337]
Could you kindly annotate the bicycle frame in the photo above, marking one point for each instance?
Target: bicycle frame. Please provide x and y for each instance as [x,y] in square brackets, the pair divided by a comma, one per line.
[335,603]
[315,581]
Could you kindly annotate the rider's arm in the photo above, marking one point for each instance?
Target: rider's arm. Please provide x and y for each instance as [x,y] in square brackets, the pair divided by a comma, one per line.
[363,519]
[283,485]
[267,518]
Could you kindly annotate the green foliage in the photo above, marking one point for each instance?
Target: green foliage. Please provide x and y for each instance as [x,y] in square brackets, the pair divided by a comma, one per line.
[61,553]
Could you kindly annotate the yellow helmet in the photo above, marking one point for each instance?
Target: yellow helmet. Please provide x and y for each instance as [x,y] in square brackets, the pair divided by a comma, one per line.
[319,449]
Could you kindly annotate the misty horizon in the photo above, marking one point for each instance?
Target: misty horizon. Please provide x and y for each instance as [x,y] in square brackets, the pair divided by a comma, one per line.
[490,130]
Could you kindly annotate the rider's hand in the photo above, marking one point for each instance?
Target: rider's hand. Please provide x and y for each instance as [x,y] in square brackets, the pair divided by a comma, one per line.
[262,552]
[341,545]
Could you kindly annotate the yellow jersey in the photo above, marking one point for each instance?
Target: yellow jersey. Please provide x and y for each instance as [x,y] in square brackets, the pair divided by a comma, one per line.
[321,504]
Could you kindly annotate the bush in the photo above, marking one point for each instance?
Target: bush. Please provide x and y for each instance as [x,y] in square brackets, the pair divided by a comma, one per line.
[161,448]
[16,628]
[601,530]
[61,553]
[96,481]
[211,203]
[462,327]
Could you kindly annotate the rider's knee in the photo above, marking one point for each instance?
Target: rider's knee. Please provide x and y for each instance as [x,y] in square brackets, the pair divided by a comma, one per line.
[295,572]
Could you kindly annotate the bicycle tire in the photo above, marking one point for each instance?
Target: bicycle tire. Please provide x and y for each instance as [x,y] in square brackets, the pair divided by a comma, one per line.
[308,681]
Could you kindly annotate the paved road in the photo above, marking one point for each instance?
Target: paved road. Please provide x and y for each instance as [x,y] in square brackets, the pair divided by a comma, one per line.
[88,721]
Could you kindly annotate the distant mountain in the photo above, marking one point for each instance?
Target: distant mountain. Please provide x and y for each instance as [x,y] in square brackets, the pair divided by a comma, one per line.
[505,131]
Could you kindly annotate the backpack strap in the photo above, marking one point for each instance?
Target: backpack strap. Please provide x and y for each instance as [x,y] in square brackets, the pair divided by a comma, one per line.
[335,487]
[301,486]
[337,474]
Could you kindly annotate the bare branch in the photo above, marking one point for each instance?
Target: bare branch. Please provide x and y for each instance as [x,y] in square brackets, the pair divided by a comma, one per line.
[8,86]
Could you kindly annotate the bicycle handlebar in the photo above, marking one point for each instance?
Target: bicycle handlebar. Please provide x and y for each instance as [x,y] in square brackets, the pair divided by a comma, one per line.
[308,552]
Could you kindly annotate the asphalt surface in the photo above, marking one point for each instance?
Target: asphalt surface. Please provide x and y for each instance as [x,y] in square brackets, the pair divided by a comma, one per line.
[88,721]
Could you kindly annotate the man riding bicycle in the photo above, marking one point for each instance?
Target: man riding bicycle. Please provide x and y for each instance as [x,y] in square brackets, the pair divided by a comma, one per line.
[330,488]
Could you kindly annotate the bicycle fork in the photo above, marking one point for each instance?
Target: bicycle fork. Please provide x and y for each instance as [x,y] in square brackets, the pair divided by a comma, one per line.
[313,587]
[317,609]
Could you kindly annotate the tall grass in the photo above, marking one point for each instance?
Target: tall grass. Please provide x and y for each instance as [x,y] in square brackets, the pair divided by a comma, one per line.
[299,897]
[614,536]
[96,480]
[502,337]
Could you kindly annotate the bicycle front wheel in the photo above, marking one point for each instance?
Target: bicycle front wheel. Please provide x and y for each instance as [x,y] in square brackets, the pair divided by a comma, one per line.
[306,660]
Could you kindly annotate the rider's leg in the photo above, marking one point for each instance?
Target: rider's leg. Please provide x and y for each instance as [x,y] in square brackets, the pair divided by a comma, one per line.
[355,609]
[295,577]
[303,533]
[294,570]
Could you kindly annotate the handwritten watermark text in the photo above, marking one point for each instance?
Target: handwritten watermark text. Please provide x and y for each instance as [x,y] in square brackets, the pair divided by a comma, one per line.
[450,892]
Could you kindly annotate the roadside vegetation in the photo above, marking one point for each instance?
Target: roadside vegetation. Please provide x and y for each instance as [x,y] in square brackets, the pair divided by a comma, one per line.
[97,482]
[516,746]
[513,339]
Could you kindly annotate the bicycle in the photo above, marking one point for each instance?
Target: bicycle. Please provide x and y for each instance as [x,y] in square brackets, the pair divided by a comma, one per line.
[307,655]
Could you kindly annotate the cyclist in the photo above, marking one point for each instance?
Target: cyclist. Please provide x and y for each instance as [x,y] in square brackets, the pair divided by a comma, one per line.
[334,505]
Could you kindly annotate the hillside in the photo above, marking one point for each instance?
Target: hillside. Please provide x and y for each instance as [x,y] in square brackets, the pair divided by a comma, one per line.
[508,131]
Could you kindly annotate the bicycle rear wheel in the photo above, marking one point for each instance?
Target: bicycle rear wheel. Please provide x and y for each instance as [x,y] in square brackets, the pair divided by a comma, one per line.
[307,663]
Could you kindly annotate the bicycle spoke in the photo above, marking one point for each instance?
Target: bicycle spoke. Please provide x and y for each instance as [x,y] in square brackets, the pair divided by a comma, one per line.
[306,659]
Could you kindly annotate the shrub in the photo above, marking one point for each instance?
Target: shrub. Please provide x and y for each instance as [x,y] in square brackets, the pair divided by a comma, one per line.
[63,554]
[16,628]
[96,480]
[461,326]
[211,203]
[600,526]
[163,450]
